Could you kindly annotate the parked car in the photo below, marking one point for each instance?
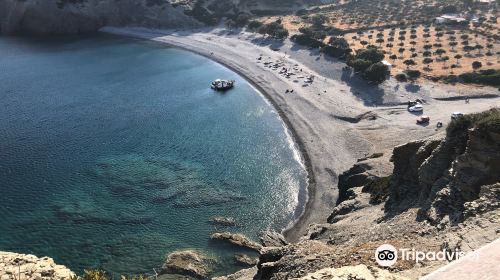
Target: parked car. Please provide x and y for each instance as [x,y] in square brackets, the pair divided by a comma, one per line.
[416,108]
[415,102]
[456,115]
[423,120]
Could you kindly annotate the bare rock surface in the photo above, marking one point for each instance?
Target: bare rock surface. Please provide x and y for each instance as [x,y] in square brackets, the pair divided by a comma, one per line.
[236,239]
[20,266]
[351,272]
[272,238]
[189,263]
[245,259]
[244,274]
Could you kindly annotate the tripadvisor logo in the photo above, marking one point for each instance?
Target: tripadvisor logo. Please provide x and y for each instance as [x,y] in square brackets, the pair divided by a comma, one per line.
[387,255]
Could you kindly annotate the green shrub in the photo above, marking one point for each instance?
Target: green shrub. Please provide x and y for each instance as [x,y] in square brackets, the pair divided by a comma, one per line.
[274,29]
[487,121]
[371,54]
[489,77]
[401,77]
[413,74]
[254,25]
[376,72]
[359,65]
[306,40]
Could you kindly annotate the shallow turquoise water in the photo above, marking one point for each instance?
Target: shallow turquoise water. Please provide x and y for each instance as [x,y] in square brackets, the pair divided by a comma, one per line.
[115,152]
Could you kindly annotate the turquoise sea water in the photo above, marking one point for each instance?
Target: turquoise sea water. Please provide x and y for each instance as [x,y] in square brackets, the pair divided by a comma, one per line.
[115,152]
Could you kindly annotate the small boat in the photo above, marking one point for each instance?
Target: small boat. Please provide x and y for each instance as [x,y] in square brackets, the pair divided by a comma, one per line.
[222,84]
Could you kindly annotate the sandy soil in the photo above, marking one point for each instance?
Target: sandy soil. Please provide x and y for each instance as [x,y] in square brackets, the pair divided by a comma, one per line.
[329,118]
[437,67]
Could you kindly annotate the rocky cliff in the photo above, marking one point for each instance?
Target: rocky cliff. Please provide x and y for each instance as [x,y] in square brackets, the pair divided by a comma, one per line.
[436,194]
[20,266]
[79,16]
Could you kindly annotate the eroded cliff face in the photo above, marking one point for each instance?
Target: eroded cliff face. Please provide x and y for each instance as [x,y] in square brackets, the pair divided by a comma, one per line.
[437,194]
[440,177]
[80,16]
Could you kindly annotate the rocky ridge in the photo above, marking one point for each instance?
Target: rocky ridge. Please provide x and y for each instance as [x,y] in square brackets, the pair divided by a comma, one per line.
[20,266]
[48,17]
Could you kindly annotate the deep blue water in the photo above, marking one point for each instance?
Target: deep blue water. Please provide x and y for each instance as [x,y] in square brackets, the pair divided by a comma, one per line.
[115,152]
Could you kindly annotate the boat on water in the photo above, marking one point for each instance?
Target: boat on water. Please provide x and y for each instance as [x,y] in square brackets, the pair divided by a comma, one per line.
[222,84]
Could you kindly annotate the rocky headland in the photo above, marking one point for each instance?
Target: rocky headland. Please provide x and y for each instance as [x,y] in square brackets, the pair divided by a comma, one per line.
[413,187]
[440,194]
[14,266]
[63,17]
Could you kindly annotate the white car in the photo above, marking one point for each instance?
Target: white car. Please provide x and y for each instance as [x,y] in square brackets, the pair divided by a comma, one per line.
[416,108]
[456,115]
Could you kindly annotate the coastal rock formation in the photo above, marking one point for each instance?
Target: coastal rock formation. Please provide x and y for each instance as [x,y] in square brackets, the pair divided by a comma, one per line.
[270,238]
[223,221]
[237,239]
[244,274]
[351,272]
[437,194]
[79,16]
[188,263]
[440,177]
[20,266]
[246,259]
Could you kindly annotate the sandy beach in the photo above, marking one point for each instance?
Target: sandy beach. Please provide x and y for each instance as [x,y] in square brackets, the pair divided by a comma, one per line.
[334,116]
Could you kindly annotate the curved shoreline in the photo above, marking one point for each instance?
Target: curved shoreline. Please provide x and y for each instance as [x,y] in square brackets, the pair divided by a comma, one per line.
[311,180]
[298,226]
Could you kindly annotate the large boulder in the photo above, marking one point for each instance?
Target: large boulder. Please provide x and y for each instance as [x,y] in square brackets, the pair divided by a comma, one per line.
[237,239]
[272,238]
[190,263]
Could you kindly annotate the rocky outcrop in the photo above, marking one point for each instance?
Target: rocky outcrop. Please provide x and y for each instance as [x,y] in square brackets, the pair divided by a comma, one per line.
[295,260]
[244,274]
[245,259]
[79,16]
[351,272]
[271,238]
[188,263]
[402,201]
[440,177]
[20,266]
[236,239]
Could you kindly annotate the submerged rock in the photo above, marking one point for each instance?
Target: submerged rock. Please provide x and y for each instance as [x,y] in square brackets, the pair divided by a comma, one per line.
[223,221]
[188,263]
[237,239]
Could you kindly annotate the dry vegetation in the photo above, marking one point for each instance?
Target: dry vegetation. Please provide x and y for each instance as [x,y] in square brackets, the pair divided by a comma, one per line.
[435,50]
[405,31]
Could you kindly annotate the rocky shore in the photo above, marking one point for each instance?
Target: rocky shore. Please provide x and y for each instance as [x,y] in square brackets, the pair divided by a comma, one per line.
[435,190]
[14,266]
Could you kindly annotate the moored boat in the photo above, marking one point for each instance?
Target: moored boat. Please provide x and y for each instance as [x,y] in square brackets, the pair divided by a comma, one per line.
[222,84]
